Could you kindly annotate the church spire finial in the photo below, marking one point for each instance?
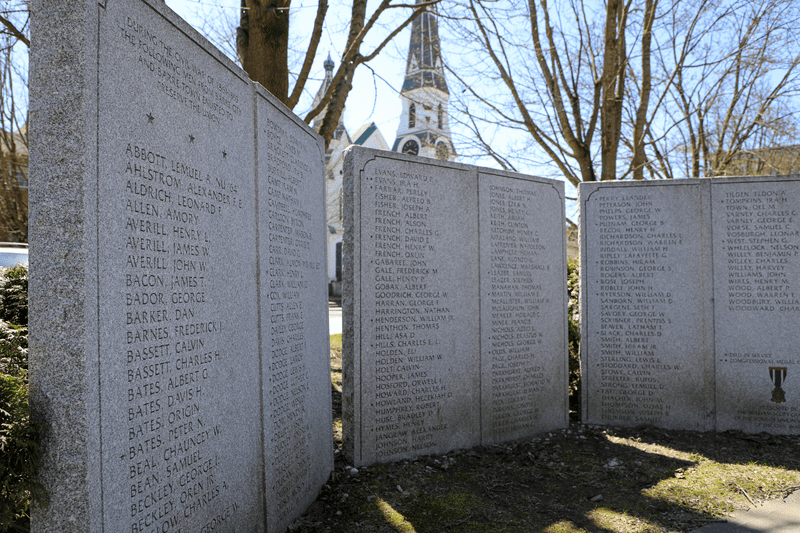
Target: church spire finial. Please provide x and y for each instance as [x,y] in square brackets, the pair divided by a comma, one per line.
[328,64]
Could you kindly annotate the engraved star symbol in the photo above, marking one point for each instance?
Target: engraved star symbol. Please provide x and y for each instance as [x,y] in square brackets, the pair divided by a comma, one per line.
[191,138]
[224,154]
[150,118]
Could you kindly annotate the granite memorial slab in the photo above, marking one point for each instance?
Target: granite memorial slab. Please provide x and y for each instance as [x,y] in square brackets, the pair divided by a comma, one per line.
[178,342]
[756,223]
[731,251]
[647,356]
[522,301]
[443,347]
[295,346]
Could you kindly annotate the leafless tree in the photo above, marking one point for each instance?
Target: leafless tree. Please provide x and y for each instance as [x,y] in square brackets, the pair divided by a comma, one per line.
[621,89]
[13,124]
[263,47]
[735,90]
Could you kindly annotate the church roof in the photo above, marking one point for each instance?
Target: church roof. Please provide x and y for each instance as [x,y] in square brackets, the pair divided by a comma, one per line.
[370,136]
[424,64]
[365,135]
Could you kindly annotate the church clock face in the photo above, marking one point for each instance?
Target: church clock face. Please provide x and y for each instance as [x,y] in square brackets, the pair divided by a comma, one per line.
[411,147]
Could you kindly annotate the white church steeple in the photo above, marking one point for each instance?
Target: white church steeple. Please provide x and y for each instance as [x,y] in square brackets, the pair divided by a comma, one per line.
[424,125]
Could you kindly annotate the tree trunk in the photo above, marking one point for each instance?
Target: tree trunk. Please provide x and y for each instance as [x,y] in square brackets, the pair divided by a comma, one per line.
[613,81]
[641,113]
[336,105]
[265,55]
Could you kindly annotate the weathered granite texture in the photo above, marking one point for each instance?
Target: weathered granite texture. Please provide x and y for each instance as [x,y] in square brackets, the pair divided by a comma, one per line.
[294,309]
[756,224]
[454,305]
[178,320]
[62,360]
[689,300]
[522,305]
[645,277]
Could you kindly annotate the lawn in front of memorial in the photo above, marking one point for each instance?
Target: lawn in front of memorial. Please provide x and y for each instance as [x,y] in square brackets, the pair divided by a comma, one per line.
[581,479]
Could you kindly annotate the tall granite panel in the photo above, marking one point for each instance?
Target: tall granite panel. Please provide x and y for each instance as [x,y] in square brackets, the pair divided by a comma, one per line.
[62,291]
[647,352]
[150,288]
[175,175]
[756,225]
[296,369]
[419,277]
[523,300]
[416,360]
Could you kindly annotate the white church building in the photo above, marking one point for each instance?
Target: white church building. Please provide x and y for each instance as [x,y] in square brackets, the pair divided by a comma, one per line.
[424,128]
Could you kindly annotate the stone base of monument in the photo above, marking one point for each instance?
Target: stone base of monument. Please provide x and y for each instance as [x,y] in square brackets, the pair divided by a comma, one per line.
[455,330]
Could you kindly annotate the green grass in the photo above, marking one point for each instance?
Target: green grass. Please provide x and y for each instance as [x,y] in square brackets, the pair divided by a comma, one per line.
[336,343]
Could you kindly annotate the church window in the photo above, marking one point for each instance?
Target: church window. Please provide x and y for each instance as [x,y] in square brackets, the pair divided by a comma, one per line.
[442,152]
[441,117]
[412,116]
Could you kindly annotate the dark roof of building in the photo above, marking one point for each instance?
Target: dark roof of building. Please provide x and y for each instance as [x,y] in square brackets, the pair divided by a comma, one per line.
[424,64]
[364,136]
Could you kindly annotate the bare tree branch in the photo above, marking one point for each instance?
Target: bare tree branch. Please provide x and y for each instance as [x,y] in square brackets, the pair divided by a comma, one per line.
[16,33]
[311,53]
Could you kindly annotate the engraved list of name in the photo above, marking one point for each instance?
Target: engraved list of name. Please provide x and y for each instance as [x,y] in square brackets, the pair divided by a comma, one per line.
[460,307]
[173,359]
[290,263]
[643,260]
[413,252]
[173,341]
[757,290]
[521,293]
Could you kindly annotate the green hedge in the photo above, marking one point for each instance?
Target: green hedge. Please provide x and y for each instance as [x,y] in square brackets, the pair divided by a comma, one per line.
[574,322]
[14,295]
[19,436]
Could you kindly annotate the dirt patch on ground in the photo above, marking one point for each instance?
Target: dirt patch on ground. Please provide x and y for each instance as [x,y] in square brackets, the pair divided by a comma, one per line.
[580,479]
